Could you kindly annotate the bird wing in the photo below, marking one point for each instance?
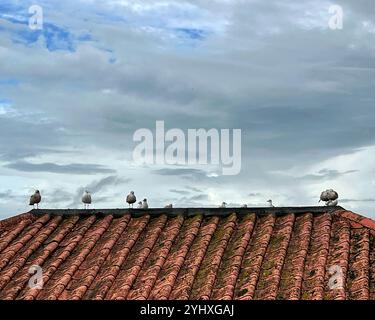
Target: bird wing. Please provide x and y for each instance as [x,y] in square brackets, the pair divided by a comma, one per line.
[131,198]
[324,196]
[86,198]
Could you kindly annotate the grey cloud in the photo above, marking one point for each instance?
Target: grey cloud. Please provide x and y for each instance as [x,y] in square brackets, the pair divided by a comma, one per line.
[357,200]
[254,194]
[58,196]
[7,195]
[184,192]
[196,200]
[185,172]
[73,168]
[326,174]
[195,189]
[301,95]
[97,186]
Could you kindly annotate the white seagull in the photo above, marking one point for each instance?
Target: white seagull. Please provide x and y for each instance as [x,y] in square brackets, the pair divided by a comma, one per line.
[270,203]
[131,199]
[332,203]
[223,205]
[169,206]
[244,206]
[139,205]
[144,204]
[35,199]
[86,199]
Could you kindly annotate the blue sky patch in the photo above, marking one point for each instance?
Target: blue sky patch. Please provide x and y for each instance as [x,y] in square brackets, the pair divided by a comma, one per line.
[9,82]
[194,34]
[5,102]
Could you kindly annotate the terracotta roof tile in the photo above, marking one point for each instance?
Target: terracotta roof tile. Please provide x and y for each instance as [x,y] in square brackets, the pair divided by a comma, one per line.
[172,265]
[141,288]
[206,276]
[292,273]
[279,253]
[315,264]
[273,261]
[253,258]
[231,262]
[110,269]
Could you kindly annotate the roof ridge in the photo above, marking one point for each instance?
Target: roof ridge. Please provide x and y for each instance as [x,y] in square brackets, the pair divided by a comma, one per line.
[188,211]
[356,218]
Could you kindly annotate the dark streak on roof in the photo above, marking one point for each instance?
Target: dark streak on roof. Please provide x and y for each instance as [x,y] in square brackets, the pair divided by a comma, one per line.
[188,211]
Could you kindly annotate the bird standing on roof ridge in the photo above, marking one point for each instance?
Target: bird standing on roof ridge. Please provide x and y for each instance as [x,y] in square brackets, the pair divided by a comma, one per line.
[145,204]
[131,199]
[223,205]
[332,203]
[244,206]
[270,203]
[330,197]
[169,206]
[35,199]
[86,199]
[139,205]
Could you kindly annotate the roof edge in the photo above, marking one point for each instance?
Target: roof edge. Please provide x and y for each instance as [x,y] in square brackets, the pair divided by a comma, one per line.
[16,219]
[356,218]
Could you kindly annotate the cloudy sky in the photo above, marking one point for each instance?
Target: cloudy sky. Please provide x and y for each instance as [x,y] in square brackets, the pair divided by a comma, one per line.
[73,94]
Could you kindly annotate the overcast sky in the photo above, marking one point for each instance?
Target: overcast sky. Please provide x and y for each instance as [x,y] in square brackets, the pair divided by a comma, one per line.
[73,94]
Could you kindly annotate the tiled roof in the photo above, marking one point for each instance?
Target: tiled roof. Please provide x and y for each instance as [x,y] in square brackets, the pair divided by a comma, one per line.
[276,253]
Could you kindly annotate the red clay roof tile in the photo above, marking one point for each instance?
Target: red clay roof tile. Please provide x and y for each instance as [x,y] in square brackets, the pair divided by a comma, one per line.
[251,254]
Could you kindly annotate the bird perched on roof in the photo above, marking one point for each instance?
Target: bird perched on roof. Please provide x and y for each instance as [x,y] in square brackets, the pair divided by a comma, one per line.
[270,203]
[223,205]
[330,197]
[169,206]
[332,203]
[139,205]
[35,199]
[131,199]
[86,199]
[145,204]
[244,206]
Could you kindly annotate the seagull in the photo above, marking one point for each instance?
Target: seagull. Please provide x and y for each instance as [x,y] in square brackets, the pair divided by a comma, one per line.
[131,199]
[332,203]
[169,206]
[86,199]
[35,199]
[144,204]
[270,203]
[139,205]
[244,206]
[330,197]
[223,205]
